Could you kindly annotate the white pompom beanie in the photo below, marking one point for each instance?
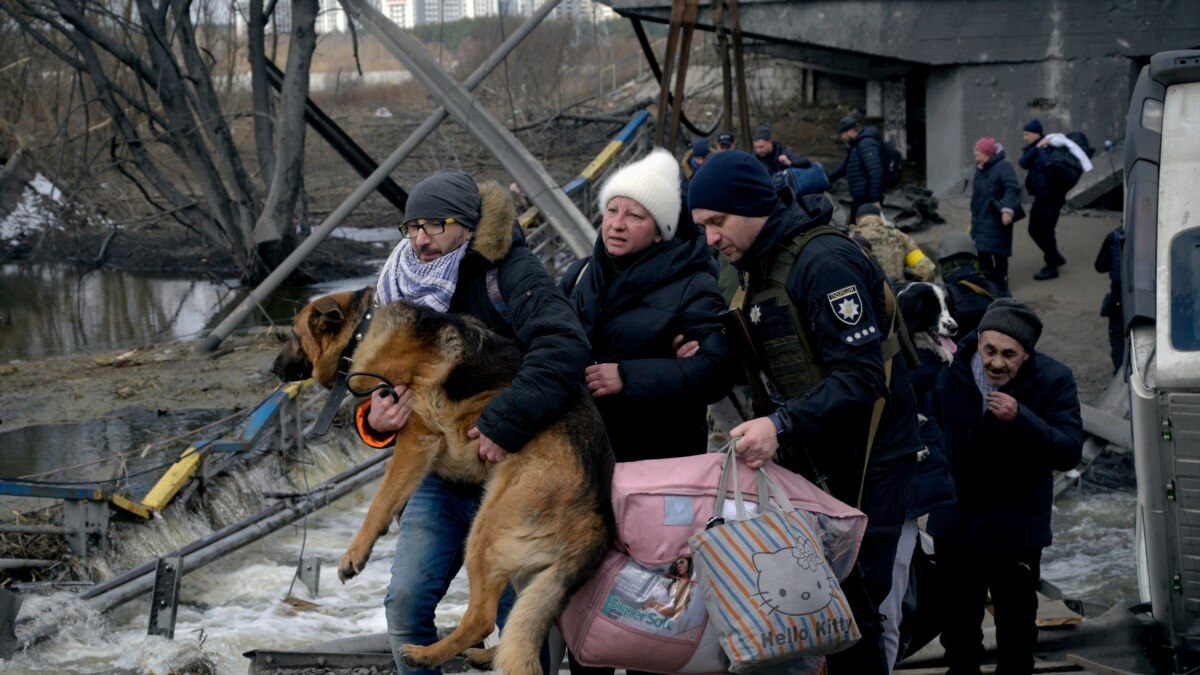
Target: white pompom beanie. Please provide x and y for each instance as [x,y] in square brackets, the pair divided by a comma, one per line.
[653,182]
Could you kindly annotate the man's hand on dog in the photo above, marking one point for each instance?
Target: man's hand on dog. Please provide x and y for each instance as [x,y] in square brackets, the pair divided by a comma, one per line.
[488,450]
[388,412]
[604,379]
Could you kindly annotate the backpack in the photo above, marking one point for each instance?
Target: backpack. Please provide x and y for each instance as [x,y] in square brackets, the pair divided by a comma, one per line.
[893,164]
[811,180]
[1061,169]
[1078,138]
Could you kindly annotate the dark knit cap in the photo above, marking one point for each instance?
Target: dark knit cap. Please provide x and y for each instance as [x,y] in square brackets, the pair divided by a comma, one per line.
[446,194]
[868,210]
[1035,125]
[1015,319]
[846,124]
[761,134]
[733,182]
[700,148]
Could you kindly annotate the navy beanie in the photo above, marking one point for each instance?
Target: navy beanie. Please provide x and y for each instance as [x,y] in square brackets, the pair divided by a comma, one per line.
[700,148]
[1035,125]
[733,182]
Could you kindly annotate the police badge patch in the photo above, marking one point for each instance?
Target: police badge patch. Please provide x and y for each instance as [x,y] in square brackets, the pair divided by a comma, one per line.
[846,305]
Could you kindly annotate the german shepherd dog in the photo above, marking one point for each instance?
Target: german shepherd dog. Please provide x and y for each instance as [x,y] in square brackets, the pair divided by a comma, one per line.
[545,521]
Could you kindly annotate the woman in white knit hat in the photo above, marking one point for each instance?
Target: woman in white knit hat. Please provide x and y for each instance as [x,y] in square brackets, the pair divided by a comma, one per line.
[648,301]
[641,295]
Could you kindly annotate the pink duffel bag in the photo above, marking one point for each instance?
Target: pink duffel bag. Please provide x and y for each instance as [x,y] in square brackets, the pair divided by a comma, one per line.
[660,503]
[634,612]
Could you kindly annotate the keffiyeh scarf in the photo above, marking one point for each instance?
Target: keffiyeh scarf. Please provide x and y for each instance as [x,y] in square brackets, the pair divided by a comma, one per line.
[405,277]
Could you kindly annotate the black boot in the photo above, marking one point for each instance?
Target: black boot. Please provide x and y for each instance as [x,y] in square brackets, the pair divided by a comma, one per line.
[1048,272]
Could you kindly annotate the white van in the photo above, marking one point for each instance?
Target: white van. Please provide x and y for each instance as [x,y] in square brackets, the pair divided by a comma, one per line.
[1161,293]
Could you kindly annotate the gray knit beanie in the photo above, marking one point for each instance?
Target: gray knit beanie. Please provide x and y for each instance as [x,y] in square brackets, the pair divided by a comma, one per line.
[446,194]
[1015,319]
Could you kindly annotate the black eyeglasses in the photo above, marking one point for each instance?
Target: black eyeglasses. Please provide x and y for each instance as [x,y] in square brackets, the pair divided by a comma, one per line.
[409,230]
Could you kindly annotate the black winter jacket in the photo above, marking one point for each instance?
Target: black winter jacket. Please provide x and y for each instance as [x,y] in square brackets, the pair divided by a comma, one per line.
[631,318]
[833,418]
[1034,161]
[771,161]
[1003,472]
[532,311]
[863,167]
[993,189]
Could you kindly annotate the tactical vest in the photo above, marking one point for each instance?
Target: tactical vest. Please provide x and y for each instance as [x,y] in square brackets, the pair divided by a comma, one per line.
[783,334]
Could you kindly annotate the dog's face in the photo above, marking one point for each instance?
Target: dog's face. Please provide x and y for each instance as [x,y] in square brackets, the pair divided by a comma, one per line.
[926,310]
[320,332]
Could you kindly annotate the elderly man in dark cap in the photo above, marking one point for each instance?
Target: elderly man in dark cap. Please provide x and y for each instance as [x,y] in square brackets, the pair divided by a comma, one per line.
[1010,418]
[462,252]
[845,410]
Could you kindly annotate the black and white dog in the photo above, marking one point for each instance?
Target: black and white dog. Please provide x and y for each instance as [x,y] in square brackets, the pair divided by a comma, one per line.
[927,311]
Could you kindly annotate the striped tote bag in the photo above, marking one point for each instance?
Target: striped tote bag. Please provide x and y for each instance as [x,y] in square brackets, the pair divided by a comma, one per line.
[767,582]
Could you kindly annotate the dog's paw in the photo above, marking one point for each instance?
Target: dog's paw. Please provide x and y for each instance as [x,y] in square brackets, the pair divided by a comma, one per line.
[416,656]
[480,659]
[349,567]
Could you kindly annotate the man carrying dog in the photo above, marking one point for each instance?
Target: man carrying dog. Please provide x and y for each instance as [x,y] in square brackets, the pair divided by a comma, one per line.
[1010,417]
[816,308]
[462,253]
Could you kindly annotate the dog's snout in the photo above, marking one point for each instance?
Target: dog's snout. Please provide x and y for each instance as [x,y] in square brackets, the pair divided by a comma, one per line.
[291,364]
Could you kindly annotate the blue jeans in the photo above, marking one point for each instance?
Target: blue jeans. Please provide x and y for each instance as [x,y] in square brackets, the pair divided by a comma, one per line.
[429,552]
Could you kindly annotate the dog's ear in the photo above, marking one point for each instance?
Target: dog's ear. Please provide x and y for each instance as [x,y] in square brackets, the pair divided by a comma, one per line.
[326,316]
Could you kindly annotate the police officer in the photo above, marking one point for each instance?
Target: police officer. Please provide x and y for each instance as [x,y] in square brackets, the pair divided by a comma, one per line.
[816,307]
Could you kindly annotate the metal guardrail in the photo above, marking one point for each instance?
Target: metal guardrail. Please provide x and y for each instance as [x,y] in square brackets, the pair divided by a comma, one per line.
[86,510]
[545,241]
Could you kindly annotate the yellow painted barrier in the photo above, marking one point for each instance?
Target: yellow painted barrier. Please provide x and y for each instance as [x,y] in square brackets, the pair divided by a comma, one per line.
[173,480]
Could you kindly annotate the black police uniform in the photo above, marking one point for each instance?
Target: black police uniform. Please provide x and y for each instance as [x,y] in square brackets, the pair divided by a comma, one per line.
[837,294]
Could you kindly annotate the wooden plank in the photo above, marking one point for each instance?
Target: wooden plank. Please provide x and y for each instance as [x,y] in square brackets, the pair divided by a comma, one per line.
[173,480]
[1038,667]
[129,506]
[1093,667]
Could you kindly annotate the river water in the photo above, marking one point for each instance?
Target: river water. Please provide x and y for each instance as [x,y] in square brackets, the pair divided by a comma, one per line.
[237,604]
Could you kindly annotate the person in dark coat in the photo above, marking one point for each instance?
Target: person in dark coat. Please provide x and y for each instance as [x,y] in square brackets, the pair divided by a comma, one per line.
[643,295]
[463,252]
[970,292]
[863,165]
[995,198]
[933,490]
[824,318]
[1108,260]
[773,154]
[1047,202]
[1010,417]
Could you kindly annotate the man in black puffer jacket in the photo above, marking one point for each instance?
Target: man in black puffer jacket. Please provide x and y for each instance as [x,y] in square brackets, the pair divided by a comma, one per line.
[863,165]
[1010,418]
